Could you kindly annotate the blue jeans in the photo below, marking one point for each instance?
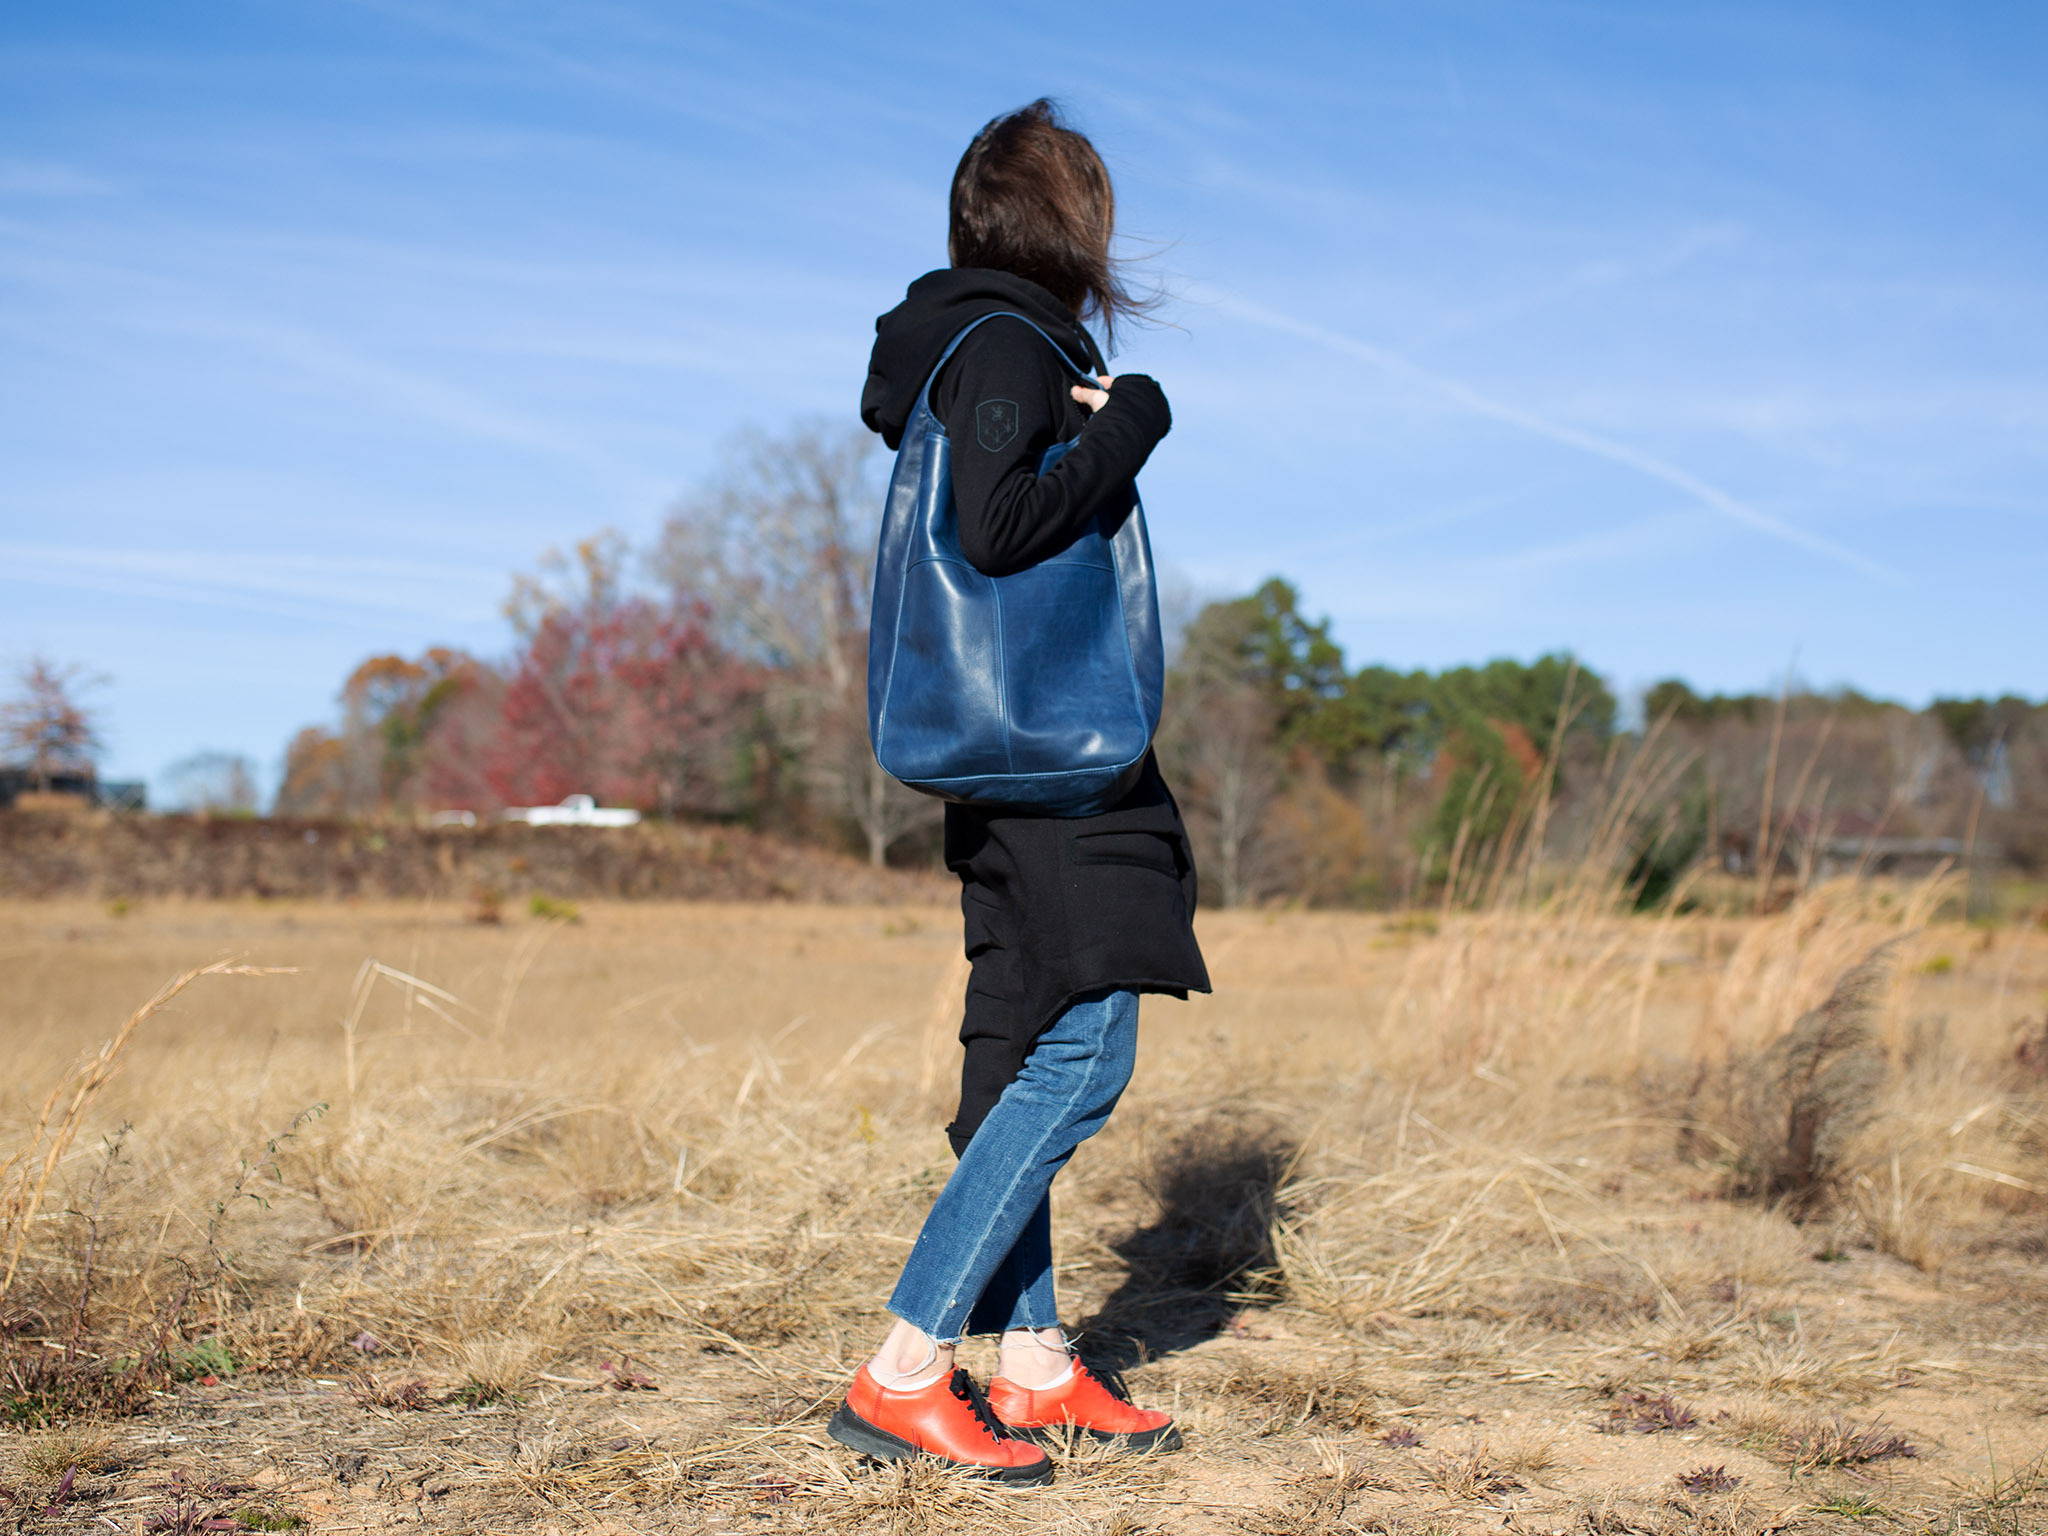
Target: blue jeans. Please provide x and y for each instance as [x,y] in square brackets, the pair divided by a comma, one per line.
[982,1262]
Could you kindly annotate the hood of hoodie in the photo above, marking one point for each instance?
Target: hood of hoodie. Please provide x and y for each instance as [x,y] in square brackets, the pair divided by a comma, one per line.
[910,337]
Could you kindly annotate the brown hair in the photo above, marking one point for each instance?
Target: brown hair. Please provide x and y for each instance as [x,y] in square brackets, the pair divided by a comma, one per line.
[1031,196]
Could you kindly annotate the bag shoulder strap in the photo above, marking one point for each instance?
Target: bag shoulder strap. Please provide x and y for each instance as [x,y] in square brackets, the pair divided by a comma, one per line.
[924,395]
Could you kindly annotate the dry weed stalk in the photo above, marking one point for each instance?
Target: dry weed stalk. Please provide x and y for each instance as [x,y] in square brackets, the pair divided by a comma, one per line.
[26,1173]
[1804,1098]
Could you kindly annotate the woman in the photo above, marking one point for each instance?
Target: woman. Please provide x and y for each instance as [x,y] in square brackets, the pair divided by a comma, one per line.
[1068,919]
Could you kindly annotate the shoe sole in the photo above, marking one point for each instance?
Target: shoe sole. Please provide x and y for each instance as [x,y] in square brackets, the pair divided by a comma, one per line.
[1056,1437]
[856,1433]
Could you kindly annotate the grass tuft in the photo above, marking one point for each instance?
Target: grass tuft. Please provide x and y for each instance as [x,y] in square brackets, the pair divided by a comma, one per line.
[1708,1479]
[497,1367]
[1645,1413]
[1836,1442]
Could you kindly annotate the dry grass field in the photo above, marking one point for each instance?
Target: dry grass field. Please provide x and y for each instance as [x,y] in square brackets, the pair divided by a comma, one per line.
[1539,1221]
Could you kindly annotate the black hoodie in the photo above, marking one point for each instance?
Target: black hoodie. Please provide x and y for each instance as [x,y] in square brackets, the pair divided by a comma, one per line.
[1004,399]
[1055,906]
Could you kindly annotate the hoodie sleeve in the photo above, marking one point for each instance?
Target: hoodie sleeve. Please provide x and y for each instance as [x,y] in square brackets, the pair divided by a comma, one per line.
[1003,399]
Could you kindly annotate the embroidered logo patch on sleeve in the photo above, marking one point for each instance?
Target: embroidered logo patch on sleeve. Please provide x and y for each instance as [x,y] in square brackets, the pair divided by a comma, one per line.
[995,423]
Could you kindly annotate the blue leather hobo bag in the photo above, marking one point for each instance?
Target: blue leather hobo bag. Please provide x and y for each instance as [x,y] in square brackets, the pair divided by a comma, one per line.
[1038,690]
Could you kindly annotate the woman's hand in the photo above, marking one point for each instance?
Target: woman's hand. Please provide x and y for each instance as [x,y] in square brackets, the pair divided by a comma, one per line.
[1094,399]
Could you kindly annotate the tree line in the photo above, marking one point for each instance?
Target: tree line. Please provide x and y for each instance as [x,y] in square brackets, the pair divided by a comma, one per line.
[1319,781]
[718,670]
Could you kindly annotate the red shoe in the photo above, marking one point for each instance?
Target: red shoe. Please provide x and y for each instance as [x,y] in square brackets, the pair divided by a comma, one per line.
[1044,1414]
[946,1419]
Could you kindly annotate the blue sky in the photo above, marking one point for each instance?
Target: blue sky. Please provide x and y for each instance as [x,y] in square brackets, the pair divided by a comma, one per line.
[1698,339]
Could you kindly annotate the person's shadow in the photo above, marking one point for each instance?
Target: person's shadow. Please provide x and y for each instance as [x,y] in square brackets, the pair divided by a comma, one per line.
[1206,1255]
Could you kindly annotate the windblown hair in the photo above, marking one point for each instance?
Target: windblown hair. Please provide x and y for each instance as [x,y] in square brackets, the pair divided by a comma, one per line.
[1031,196]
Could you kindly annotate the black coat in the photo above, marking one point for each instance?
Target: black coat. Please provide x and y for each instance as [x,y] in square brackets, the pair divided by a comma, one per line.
[1054,906]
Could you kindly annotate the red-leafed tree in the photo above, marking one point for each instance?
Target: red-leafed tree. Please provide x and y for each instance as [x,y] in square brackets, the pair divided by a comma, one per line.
[455,752]
[618,696]
[779,547]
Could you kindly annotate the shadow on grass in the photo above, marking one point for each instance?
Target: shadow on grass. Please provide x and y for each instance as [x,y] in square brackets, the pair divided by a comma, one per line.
[1206,1255]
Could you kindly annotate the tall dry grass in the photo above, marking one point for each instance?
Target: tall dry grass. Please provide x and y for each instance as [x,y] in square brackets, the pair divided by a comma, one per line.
[1539,1142]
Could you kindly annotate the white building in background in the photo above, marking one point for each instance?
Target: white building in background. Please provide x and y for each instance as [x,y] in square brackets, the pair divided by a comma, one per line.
[575,811]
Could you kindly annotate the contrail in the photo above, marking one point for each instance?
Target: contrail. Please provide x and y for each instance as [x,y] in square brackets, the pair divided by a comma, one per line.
[1557,432]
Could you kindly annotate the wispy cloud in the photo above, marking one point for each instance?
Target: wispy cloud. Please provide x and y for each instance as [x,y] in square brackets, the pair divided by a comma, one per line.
[1478,403]
[381,384]
[652,64]
[45,178]
[665,87]
[1435,589]
[1590,277]
[1270,555]
[146,301]
[363,590]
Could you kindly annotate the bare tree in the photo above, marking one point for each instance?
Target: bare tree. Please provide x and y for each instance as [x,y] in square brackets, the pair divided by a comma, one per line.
[1220,746]
[45,727]
[780,546]
[217,782]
